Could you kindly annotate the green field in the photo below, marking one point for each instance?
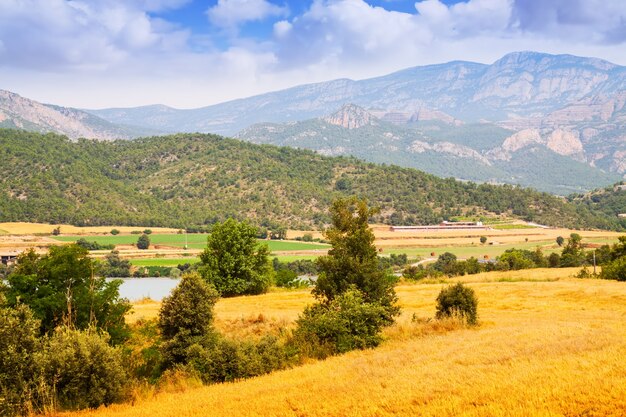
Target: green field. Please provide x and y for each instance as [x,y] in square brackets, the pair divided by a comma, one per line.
[181,261]
[194,241]
[512,226]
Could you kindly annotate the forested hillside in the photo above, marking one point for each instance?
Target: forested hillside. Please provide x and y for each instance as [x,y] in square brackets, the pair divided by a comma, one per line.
[194,179]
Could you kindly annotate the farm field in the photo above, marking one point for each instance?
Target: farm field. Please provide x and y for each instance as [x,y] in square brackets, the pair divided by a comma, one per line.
[194,241]
[547,345]
[24,228]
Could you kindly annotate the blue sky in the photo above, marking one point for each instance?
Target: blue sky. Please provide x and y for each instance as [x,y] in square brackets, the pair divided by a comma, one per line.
[192,53]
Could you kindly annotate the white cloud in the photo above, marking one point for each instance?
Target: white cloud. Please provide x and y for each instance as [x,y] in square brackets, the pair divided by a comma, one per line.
[231,13]
[99,53]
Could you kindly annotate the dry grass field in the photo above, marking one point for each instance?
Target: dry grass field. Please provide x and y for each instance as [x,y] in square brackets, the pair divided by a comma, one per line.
[40,228]
[548,345]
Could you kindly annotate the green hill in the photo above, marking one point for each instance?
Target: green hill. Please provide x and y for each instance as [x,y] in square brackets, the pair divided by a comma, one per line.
[195,179]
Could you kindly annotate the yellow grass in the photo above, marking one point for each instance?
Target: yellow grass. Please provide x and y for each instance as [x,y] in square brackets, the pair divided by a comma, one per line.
[22,228]
[553,346]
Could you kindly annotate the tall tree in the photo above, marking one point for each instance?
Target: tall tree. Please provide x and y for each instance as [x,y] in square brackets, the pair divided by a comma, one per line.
[353,260]
[234,262]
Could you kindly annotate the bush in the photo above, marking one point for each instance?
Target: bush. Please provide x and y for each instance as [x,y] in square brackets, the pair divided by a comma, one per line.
[229,360]
[615,270]
[19,370]
[344,324]
[458,301]
[83,370]
[147,232]
[114,232]
[288,279]
[143,242]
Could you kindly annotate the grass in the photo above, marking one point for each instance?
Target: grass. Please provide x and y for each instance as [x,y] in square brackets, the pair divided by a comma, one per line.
[194,241]
[544,348]
[163,261]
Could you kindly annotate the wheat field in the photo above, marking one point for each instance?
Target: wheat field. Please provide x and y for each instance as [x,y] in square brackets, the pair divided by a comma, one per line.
[547,345]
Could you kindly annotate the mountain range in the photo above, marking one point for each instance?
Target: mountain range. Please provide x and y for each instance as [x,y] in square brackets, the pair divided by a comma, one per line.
[554,122]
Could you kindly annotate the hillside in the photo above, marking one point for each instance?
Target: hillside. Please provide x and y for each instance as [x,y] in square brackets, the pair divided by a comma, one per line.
[22,113]
[476,152]
[192,179]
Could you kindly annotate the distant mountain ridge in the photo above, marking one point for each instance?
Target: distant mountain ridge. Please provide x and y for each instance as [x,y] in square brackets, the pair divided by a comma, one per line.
[475,152]
[21,113]
[520,84]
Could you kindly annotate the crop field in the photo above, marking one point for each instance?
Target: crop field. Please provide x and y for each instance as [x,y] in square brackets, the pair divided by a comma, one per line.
[23,228]
[547,345]
[193,241]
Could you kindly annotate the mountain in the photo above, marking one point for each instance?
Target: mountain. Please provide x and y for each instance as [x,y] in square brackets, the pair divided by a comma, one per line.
[520,84]
[441,145]
[21,113]
[194,179]
[566,100]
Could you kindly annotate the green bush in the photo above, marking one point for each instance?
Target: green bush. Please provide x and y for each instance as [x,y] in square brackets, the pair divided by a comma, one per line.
[114,232]
[83,370]
[229,360]
[143,242]
[615,270]
[19,362]
[458,301]
[343,324]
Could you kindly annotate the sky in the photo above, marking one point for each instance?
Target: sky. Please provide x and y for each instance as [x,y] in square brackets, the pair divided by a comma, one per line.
[193,53]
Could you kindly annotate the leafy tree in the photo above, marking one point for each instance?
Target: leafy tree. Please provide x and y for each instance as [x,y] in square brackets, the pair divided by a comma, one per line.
[147,232]
[615,270]
[447,264]
[458,301]
[483,239]
[61,288]
[186,318]
[560,240]
[352,262]
[143,242]
[573,254]
[234,262]
[114,232]
[114,266]
[56,231]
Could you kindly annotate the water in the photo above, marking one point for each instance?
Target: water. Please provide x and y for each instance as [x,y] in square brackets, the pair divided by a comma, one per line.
[155,288]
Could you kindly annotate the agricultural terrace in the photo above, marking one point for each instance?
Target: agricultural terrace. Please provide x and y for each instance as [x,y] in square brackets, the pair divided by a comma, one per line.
[547,344]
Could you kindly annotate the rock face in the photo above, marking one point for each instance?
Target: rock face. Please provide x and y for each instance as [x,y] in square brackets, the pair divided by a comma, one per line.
[22,113]
[350,116]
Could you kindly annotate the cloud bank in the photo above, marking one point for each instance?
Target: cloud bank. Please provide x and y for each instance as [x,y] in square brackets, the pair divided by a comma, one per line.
[98,53]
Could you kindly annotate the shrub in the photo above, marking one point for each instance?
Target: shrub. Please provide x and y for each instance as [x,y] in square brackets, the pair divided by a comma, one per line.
[83,370]
[143,242]
[483,239]
[147,232]
[287,279]
[615,270]
[344,324]
[19,368]
[114,232]
[458,301]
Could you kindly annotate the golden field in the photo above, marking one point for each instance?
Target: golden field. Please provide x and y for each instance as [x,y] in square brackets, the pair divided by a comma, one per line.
[547,345]
[23,228]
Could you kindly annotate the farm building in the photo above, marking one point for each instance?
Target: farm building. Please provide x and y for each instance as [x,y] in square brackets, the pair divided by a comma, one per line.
[442,226]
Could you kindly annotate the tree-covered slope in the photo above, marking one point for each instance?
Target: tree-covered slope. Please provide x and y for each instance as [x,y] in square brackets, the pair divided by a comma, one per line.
[193,179]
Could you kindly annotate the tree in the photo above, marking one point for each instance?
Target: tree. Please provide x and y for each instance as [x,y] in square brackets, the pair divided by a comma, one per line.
[61,289]
[143,242]
[560,240]
[447,264]
[114,266]
[114,232]
[186,318]
[483,239]
[573,254]
[56,231]
[234,262]
[353,260]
